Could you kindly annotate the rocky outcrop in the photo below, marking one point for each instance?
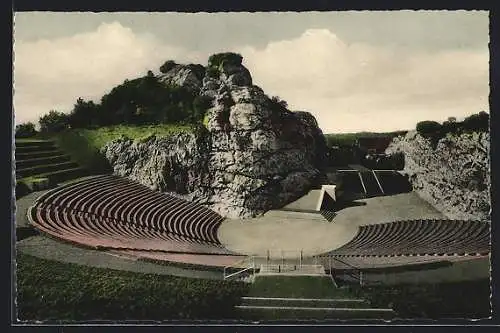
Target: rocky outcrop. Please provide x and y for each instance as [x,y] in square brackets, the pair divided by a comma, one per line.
[454,177]
[187,76]
[251,156]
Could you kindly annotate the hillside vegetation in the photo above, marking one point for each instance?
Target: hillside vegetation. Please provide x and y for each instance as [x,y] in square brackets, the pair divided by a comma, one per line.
[84,144]
[349,139]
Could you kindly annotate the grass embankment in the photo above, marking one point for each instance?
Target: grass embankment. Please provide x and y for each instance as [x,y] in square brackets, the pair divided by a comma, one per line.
[83,144]
[466,299]
[50,290]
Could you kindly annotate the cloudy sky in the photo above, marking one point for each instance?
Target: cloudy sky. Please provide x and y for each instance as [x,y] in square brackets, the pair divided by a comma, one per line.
[355,71]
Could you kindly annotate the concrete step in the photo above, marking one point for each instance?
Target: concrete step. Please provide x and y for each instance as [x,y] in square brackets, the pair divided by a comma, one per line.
[26,163]
[35,148]
[299,312]
[21,156]
[306,302]
[40,169]
[34,143]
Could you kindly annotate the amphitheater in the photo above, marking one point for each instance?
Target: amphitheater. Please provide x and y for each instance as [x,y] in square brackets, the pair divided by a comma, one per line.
[372,224]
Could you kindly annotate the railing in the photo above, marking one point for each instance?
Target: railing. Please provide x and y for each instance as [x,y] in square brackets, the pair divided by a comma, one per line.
[356,273]
[249,262]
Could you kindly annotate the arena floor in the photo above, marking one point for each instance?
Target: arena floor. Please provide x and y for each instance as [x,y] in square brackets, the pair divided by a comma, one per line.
[292,232]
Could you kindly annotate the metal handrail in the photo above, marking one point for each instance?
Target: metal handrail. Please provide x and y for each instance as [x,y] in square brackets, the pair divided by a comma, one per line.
[242,270]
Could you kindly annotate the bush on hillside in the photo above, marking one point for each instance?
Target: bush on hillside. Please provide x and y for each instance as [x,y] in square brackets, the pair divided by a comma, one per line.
[53,122]
[200,106]
[25,130]
[198,70]
[168,65]
[278,105]
[212,72]
[230,58]
[477,122]
[428,128]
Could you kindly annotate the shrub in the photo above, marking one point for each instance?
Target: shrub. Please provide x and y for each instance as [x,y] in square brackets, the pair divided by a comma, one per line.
[428,128]
[477,122]
[200,106]
[168,65]
[198,70]
[212,72]
[230,58]
[53,122]
[278,104]
[25,130]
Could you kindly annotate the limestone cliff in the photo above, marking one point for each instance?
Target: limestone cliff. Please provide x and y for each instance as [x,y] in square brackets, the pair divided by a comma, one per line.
[454,177]
[251,156]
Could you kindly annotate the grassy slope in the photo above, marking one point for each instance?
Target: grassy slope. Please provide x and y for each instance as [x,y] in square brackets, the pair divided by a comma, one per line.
[49,290]
[294,287]
[83,144]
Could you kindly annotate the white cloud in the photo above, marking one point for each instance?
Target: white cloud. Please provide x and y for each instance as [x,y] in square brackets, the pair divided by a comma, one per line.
[52,74]
[348,87]
[353,87]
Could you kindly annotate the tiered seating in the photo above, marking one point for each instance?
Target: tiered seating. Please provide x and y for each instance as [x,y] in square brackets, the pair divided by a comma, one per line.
[113,212]
[419,237]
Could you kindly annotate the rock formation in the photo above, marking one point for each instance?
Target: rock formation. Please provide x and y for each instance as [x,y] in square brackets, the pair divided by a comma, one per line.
[454,177]
[253,155]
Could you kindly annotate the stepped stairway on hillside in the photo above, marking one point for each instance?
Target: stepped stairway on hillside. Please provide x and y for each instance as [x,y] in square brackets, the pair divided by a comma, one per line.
[309,296]
[371,184]
[40,164]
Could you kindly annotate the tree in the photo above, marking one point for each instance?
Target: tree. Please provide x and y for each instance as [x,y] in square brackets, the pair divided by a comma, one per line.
[52,122]
[84,114]
[230,58]
[25,130]
[477,122]
[278,100]
[428,127]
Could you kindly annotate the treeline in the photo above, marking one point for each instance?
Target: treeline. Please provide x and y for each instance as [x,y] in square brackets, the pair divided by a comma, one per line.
[145,100]
[142,101]
[350,139]
[479,122]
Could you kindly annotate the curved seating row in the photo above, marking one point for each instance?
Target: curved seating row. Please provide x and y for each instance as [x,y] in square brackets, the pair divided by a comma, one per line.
[419,237]
[115,212]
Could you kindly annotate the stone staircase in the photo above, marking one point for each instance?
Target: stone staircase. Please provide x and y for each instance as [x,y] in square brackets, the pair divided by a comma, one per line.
[40,164]
[306,295]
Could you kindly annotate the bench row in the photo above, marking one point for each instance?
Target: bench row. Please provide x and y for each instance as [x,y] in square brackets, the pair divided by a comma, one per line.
[91,230]
[129,202]
[419,237]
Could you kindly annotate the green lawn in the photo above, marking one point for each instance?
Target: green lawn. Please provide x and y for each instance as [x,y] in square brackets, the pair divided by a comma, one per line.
[50,290]
[295,287]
